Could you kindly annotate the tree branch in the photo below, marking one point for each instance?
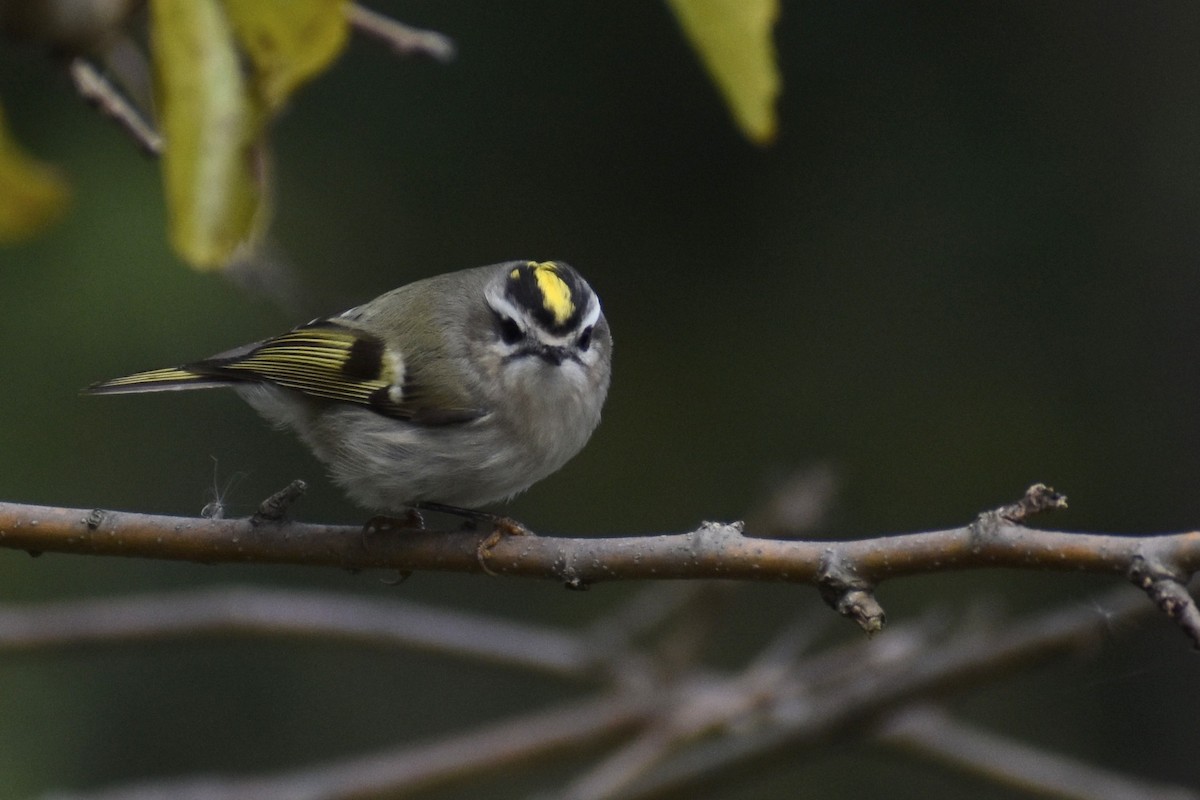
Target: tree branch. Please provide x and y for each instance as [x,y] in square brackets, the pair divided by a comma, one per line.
[706,727]
[931,732]
[297,614]
[404,771]
[836,692]
[93,87]
[402,39]
[846,572]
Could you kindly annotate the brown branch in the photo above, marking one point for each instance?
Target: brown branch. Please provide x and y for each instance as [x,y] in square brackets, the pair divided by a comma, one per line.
[847,572]
[1167,587]
[275,508]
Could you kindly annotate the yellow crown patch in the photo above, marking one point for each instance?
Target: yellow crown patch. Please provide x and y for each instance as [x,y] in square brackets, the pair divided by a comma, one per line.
[556,294]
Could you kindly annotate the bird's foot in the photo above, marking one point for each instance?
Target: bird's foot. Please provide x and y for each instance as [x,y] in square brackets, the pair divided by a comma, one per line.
[384,523]
[502,526]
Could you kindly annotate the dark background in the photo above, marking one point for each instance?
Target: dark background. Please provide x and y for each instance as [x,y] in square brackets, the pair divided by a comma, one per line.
[967,264]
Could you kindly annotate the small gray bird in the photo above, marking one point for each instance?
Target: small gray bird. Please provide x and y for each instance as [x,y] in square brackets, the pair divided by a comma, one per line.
[460,389]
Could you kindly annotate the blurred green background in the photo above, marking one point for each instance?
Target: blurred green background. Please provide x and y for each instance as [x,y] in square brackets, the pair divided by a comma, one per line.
[969,263]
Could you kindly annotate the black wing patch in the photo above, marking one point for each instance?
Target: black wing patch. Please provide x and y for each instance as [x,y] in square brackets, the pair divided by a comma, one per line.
[322,359]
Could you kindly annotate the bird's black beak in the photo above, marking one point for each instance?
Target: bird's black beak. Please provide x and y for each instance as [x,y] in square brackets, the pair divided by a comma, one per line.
[554,356]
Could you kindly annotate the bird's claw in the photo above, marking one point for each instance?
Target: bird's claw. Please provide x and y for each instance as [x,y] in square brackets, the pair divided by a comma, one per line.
[501,528]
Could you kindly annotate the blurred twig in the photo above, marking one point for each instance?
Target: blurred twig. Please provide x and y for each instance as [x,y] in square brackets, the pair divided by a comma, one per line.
[699,728]
[402,39]
[404,771]
[295,614]
[95,88]
[815,704]
[931,732]
[797,504]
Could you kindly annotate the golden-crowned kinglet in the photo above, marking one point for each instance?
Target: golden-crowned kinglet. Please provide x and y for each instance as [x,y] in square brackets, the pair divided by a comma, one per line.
[459,389]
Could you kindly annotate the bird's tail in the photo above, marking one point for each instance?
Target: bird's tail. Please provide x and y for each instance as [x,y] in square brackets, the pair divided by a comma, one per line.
[157,380]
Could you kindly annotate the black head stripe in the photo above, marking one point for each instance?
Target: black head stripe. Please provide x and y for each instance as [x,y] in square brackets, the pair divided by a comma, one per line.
[551,291]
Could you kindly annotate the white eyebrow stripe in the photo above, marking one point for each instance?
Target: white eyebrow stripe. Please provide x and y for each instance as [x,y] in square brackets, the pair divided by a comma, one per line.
[501,305]
[593,312]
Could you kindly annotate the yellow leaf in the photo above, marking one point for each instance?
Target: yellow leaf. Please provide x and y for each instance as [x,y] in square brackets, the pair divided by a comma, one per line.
[211,126]
[288,41]
[733,38]
[32,195]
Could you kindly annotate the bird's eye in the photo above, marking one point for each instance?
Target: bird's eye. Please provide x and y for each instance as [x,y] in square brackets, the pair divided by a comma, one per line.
[510,331]
[585,338]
